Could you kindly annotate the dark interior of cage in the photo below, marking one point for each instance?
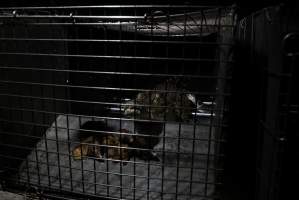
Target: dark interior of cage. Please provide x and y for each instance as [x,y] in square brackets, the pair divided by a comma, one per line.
[46,99]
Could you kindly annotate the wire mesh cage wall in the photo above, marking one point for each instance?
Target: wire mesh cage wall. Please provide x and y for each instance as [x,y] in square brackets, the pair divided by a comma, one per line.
[273,40]
[288,117]
[123,102]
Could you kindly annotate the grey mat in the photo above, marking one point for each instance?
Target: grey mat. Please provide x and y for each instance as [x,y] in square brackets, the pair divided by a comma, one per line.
[42,166]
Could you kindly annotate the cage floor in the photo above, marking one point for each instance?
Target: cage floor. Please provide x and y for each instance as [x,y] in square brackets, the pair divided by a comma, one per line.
[138,179]
[10,196]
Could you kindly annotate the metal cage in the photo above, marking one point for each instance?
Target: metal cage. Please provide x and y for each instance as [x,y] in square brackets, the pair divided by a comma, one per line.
[116,101]
[271,38]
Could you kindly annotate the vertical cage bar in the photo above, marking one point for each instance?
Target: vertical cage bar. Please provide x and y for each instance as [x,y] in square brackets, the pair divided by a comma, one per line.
[120,101]
[69,150]
[164,116]
[105,62]
[82,163]
[134,114]
[57,144]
